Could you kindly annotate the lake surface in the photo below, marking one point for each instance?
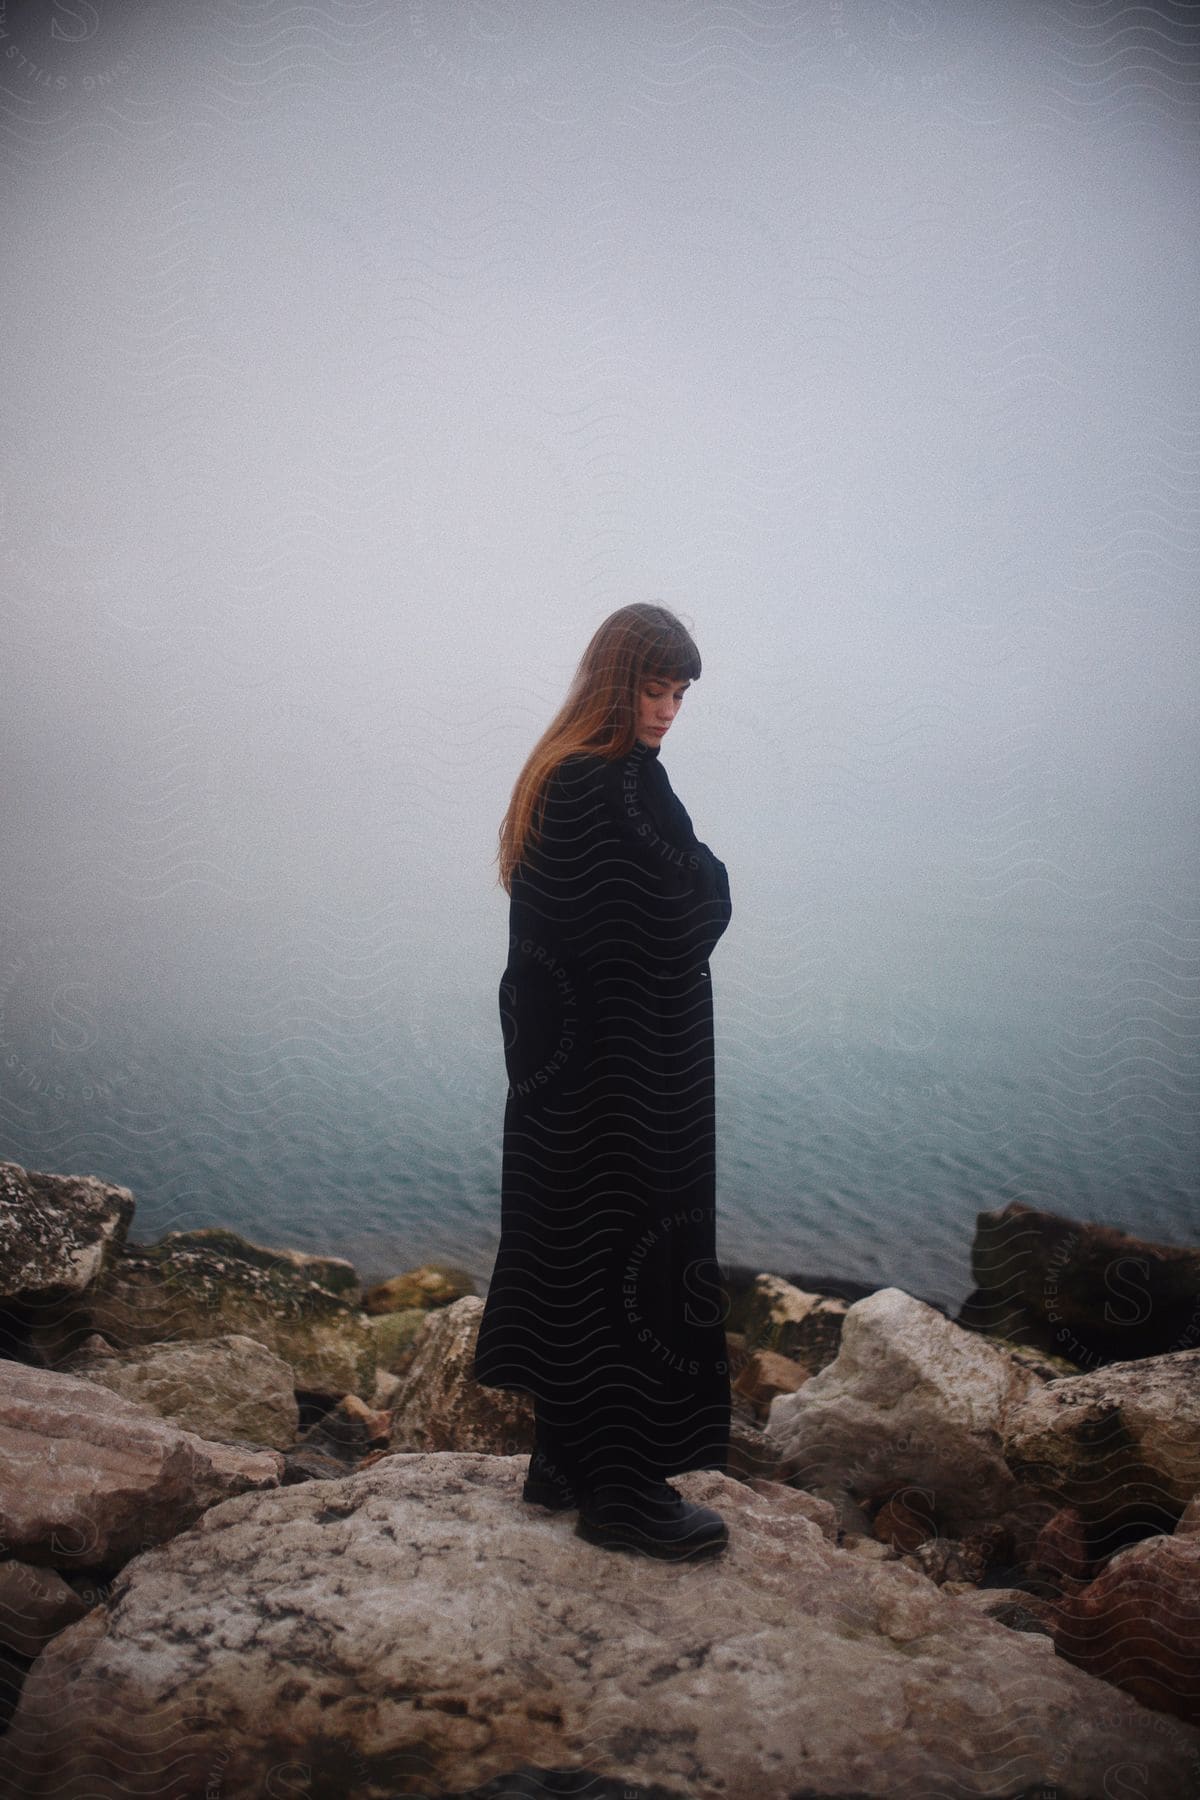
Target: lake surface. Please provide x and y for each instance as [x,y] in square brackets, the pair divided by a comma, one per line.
[862,1125]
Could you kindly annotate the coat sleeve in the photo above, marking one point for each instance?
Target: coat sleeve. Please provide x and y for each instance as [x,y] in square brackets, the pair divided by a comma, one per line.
[619,875]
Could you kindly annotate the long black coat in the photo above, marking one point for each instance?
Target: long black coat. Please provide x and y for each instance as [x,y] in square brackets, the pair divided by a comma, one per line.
[604,1303]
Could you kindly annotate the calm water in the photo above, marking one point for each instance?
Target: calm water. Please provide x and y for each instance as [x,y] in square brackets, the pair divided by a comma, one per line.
[862,1122]
[856,332]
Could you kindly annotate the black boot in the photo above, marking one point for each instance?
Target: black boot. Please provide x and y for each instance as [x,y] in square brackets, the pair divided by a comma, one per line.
[550,1481]
[548,1485]
[653,1518]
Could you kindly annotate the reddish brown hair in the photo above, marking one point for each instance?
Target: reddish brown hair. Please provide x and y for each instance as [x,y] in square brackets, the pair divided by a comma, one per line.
[599,714]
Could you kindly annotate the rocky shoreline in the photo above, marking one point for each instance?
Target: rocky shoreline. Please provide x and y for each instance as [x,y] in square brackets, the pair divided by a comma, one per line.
[261,1532]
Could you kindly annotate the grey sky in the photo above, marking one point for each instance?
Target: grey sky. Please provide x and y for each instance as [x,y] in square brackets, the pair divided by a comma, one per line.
[360,359]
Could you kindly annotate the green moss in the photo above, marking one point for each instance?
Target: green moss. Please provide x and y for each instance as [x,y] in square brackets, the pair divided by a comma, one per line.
[392,1333]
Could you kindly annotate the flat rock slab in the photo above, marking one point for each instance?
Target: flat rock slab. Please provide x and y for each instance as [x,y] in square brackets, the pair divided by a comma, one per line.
[417,1629]
[229,1389]
[88,1478]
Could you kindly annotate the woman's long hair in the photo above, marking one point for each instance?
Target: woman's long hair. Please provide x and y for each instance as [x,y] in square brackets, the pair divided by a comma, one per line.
[599,714]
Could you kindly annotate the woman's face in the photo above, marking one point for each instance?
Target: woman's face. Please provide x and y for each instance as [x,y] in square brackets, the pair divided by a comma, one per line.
[658,702]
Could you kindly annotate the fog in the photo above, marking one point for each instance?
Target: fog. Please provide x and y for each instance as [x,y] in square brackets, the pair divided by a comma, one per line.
[361,357]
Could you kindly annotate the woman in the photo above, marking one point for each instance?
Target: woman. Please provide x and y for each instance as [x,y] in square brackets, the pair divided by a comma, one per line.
[604,1303]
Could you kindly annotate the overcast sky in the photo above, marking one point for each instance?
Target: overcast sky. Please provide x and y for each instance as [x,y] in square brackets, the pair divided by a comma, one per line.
[359,358]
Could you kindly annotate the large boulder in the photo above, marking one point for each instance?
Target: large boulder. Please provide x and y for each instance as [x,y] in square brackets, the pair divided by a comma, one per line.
[58,1233]
[441,1406]
[1121,1445]
[416,1629]
[1138,1624]
[1089,1292]
[916,1405]
[231,1388]
[88,1478]
[199,1285]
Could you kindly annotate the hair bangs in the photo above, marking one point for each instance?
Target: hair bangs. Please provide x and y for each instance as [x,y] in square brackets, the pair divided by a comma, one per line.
[670,655]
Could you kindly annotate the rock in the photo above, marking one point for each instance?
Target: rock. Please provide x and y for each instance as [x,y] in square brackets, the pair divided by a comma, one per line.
[392,1334]
[441,1406]
[348,1430]
[912,1402]
[387,1386]
[229,1389]
[309,1462]
[58,1233]
[415,1628]
[34,1605]
[13,1670]
[1062,1545]
[1189,1518]
[1046,1363]
[752,1451]
[88,1478]
[1137,1624]
[434,1284]
[1122,1444]
[793,1502]
[766,1374]
[739,1282]
[1089,1292]
[782,1318]
[92,1586]
[197,1285]
[1013,1607]
[859,1545]
[906,1519]
[532,1783]
[332,1273]
[962,1560]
